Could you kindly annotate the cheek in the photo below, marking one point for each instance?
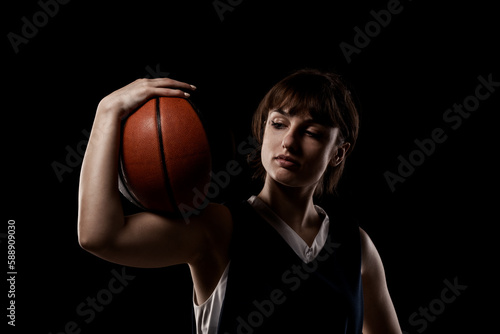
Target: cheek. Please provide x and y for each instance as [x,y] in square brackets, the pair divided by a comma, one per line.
[318,164]
[319,159]
[266,151]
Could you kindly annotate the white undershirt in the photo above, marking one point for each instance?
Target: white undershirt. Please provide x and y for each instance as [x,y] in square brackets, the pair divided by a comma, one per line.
[207,314]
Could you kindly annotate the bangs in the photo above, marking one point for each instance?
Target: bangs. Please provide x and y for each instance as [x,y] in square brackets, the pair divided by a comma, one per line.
[304,95]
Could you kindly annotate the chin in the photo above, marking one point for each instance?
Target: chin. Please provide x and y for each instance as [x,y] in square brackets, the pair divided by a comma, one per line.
[289,179]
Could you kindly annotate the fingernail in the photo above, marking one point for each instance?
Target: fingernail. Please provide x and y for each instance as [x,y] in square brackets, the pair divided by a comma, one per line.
[193,86]
[187,94]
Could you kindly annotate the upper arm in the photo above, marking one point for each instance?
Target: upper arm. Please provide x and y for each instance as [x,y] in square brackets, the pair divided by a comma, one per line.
[149,240]
[379,313]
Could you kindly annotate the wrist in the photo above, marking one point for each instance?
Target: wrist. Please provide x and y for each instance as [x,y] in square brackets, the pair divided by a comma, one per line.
[107,122]
[110,110]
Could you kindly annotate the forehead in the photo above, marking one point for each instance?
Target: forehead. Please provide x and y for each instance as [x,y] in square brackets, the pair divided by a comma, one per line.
[306,104]
[305,115]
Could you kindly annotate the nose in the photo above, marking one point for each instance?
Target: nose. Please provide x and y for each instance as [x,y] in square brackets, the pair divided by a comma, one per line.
[290,140]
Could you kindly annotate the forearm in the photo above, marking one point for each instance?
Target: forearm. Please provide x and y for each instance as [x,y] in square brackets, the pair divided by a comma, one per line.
[100,213]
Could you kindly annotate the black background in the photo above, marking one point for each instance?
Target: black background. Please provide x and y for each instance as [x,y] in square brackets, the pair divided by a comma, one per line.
[439,224]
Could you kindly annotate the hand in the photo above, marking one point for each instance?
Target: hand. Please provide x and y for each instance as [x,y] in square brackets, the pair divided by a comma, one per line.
[126,100]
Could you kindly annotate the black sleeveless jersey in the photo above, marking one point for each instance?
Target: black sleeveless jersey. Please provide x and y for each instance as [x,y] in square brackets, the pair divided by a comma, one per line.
[271,290]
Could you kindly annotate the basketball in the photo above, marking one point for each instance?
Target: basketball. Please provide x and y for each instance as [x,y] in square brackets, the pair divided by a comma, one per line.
[164,155]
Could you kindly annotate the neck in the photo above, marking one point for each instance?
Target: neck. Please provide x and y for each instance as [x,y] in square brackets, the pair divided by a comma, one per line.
[294,205]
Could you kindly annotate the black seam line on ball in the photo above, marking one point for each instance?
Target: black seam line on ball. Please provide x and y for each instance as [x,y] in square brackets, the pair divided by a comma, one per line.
[166,178]
[122,177]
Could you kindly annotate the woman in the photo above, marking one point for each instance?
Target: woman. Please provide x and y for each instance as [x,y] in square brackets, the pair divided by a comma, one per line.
[275,263]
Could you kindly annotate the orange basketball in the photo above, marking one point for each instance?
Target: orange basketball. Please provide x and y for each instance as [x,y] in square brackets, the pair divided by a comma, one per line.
[164,155]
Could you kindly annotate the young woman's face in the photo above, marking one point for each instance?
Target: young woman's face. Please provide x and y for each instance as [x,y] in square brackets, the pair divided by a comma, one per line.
[296,150]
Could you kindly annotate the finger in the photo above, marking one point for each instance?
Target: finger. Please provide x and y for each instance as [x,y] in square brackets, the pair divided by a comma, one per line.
[169,92]
[171,83]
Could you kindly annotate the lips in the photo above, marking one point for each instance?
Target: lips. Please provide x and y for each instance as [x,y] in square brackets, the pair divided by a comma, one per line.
[286,161]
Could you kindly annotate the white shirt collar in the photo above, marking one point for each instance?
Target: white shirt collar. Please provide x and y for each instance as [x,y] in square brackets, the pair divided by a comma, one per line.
[299,246]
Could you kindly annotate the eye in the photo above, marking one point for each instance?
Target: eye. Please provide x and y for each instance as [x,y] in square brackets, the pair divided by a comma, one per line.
[277,125]
[312,133]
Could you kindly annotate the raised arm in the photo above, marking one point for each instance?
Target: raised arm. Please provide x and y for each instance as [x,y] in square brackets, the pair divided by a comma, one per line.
[145,239]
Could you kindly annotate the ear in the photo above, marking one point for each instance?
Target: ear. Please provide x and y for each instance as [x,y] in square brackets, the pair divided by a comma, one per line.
[340,154]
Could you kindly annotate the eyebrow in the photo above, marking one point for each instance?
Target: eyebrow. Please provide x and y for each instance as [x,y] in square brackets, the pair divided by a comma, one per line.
[281,111]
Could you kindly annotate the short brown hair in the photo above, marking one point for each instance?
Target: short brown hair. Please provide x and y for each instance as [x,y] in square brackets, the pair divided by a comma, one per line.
[326,98]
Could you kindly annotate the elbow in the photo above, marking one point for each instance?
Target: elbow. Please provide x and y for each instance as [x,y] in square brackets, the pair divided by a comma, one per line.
[91,242]
[88,243]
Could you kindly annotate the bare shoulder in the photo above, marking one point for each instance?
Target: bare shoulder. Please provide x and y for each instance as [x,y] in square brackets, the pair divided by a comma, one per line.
[218,212]
[214,227]
[370,257]
[380,315]
[217,223]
